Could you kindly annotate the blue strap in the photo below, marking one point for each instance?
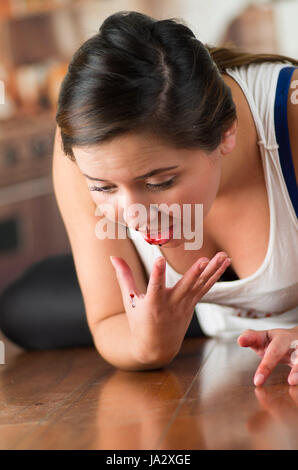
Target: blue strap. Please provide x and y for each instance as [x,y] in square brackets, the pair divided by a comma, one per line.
[282,133]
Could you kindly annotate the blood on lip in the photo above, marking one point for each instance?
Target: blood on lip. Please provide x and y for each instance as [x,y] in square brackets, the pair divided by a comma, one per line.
[158,240]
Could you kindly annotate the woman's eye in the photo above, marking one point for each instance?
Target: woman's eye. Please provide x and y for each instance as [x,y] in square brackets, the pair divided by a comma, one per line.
[164,185]
[151,187]
[104,189]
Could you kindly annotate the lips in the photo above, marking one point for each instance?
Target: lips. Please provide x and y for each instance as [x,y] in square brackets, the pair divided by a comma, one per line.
[159,238]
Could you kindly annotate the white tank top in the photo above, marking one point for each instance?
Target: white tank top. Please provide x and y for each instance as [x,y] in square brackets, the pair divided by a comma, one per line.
[269,297]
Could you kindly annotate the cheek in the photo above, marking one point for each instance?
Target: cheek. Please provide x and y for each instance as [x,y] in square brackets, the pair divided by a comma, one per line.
[105,207]
[94,197]
[201,191]
[97,199]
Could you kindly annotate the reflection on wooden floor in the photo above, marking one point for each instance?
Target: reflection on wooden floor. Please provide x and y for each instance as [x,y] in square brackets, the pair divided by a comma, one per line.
[205,399]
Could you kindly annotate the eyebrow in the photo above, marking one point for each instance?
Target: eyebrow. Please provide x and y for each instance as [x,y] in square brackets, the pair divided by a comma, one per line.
[146,175]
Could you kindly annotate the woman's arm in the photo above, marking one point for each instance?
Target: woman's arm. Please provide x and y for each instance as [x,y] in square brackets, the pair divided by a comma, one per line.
[113,341]
[96,275]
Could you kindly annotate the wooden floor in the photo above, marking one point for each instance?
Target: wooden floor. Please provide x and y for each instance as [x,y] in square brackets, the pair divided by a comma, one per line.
[205,399]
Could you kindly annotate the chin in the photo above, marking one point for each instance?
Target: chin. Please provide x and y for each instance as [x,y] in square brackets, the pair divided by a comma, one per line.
[173,243]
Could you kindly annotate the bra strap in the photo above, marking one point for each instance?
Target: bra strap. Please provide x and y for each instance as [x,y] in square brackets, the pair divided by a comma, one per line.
[282,133]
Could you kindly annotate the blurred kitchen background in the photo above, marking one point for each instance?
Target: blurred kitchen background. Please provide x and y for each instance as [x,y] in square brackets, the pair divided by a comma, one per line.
[37,41]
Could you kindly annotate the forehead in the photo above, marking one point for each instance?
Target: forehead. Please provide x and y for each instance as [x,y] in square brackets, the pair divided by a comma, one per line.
[126,155]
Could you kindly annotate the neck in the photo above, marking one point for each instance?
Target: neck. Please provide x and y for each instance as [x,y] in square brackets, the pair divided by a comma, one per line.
[236,164]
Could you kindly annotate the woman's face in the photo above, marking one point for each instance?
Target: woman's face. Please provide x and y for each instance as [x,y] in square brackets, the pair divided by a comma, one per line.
[116,170]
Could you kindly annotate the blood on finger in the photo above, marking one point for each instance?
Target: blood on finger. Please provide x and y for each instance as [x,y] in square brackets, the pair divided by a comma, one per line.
[132,299]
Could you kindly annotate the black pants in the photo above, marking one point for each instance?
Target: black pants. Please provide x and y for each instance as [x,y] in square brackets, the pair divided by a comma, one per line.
[44,309]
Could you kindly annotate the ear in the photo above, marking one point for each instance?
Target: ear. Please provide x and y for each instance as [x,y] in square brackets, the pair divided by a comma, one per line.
[228,140]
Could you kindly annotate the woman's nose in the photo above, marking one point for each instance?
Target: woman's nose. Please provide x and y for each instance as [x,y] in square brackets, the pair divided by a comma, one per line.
[137,214]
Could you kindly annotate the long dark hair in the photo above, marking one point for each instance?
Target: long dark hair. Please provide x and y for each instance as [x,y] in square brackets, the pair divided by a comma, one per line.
[139,74]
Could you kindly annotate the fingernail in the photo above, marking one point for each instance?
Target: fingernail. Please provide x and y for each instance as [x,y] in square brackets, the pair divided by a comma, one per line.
[203,264]
[294,379]
[259,379]
[222,258]
[112,261]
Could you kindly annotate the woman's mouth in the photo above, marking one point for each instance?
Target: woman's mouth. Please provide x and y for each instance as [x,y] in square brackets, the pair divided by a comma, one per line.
[158,238]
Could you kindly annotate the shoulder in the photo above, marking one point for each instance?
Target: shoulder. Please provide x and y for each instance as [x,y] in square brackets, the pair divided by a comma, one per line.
[292,111]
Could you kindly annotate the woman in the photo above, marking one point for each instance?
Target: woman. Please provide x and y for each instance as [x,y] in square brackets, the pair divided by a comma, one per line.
[142,95]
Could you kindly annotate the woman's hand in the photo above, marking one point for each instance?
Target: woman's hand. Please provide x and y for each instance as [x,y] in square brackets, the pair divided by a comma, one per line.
[161,316]
[274,346]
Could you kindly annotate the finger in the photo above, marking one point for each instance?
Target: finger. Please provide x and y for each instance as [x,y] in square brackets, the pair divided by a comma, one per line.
[213,265]
[210,271]
[256,340]
[125,277]
[204,283]
[293,376]
[185,284]
[156,282]
[273,354]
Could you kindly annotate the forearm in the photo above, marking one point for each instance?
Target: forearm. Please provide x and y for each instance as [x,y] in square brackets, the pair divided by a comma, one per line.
[112,338]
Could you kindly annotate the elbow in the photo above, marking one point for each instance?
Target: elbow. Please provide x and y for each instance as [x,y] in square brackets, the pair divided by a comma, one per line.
[129,363]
